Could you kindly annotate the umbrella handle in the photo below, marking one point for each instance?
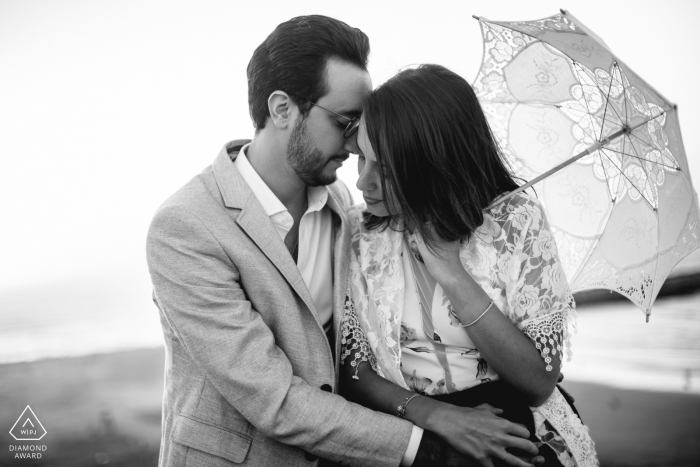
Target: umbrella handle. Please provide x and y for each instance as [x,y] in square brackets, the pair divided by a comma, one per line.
[594,147]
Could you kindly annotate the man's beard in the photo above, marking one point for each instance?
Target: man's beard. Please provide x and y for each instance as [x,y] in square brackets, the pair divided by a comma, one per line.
[307,161]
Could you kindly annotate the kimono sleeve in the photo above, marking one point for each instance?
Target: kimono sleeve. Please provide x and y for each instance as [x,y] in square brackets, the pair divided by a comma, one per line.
[542,304]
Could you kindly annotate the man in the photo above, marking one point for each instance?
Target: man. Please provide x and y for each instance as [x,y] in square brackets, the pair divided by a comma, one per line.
[248,262]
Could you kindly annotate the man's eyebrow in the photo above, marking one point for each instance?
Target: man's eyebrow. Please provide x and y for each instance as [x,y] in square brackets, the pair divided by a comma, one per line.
[350,113]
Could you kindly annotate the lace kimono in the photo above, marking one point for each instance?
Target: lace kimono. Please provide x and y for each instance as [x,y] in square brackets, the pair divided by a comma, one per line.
[398,319]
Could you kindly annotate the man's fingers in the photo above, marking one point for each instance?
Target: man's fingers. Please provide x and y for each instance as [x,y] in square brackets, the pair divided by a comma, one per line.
[517,430]
[516,460]
[490,408]
[538,460]
[526,446]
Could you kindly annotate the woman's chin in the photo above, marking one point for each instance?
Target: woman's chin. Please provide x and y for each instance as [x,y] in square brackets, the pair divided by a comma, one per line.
[378,210]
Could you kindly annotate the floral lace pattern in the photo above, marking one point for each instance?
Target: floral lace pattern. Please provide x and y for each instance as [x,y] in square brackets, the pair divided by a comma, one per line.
[556,411]
[547,333]
[513,257]
[353,340]
[623,213]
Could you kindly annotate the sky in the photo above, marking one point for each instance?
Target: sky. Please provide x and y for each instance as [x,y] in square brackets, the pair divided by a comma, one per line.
[108,107]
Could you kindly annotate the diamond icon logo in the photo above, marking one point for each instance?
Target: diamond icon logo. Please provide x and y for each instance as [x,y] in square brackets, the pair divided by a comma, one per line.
[28,427]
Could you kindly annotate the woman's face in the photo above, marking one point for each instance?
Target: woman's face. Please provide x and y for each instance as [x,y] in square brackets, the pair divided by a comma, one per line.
[369,181]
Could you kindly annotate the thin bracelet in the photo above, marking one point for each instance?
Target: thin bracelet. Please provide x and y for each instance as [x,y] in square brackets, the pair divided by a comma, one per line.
[402,407]
[477,319]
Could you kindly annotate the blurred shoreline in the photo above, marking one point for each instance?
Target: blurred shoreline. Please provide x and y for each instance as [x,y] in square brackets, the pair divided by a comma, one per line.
[107,407]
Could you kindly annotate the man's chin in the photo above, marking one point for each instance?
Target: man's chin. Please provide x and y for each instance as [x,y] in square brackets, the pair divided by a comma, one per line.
[320,179]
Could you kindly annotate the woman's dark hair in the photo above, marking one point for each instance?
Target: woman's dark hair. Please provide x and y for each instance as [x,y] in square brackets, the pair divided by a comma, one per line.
[293,59]
[435,153]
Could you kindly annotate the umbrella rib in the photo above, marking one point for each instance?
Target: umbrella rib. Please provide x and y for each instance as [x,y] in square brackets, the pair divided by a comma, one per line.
[642,158]
[576,65]
[646,172]
[624,93]
[628,179]
[605,112]
[650,146]
[607,178]
[641,140]
[615,65]
[607,101]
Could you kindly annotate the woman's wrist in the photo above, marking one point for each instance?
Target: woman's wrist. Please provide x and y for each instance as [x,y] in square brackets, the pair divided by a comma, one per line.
[454,280]
[421,412]
[465,307]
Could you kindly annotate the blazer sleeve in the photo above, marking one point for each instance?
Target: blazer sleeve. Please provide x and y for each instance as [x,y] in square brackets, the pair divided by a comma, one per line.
[198,290]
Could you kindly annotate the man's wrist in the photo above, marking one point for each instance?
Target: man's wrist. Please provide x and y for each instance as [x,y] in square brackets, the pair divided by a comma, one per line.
[413,444]
[430,451]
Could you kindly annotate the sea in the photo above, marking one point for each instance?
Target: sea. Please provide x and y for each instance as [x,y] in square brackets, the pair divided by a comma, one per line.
[613,344]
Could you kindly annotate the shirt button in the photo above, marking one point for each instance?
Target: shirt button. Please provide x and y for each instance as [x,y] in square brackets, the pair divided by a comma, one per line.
[327,388]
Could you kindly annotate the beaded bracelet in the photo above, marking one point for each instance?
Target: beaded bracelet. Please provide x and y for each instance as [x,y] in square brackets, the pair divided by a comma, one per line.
[477,319]
[402,407]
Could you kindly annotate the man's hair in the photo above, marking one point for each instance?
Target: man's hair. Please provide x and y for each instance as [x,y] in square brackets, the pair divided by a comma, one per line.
[435,152]
[293,59]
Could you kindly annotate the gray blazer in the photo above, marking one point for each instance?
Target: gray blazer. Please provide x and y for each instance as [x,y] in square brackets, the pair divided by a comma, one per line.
[250,377]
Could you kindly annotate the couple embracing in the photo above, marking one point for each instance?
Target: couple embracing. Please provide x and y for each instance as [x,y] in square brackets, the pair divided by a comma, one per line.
[423,328]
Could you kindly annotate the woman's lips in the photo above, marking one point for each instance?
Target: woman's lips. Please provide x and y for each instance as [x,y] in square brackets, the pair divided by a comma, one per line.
[371,201]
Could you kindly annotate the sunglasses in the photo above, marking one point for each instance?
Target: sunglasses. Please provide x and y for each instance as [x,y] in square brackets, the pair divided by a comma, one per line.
[353,122]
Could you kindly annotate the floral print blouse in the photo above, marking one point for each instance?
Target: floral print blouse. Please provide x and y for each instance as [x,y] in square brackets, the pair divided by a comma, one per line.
[398,318]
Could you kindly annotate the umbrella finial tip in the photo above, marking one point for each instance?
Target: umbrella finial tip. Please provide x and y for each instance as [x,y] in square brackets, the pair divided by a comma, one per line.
[476,17]
[648,318]
[563,11]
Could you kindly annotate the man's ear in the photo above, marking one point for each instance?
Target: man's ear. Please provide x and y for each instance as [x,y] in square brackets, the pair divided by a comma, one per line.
[279,104]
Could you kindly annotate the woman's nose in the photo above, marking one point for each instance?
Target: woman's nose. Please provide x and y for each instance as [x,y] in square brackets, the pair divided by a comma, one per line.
[367,180]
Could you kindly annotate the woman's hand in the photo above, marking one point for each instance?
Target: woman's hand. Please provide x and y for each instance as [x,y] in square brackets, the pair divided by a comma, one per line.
[442,260]
[508,351]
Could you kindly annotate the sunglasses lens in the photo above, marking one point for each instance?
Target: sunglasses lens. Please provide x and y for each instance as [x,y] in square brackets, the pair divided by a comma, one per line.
[352,127]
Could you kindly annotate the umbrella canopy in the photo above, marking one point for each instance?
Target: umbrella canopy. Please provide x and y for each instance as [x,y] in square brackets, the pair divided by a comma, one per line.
[623,211]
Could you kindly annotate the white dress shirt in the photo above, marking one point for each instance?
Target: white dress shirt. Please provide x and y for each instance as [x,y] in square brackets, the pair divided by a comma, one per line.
[314,254]
[315,230]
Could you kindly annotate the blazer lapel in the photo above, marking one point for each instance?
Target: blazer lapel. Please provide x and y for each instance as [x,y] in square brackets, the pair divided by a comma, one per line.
[254,221]
[341,260]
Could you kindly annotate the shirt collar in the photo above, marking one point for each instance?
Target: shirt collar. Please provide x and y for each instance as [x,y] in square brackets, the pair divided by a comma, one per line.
[270,203]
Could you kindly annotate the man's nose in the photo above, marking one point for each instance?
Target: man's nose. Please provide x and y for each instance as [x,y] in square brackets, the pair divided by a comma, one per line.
[350,144]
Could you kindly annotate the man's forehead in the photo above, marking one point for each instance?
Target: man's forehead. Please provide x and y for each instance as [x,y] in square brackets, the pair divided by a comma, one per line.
[348,86]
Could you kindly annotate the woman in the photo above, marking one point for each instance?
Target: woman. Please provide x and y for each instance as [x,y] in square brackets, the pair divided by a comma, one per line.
[447,298]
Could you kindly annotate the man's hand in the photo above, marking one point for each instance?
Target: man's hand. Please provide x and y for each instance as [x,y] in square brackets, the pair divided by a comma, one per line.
[479,434]
[435,451]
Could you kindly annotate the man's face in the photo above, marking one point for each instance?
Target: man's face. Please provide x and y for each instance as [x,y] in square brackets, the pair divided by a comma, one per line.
[316,147]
